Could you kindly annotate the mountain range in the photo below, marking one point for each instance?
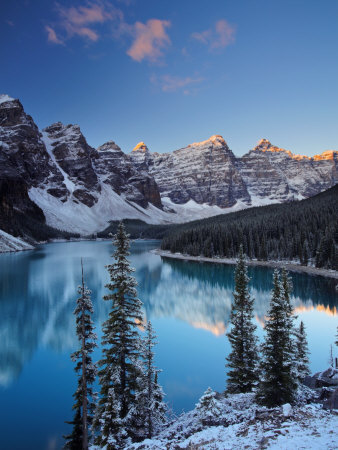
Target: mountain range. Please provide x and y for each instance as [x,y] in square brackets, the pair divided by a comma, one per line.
[55,178]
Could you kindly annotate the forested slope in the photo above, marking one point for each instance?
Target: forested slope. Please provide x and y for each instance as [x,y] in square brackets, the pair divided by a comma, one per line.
[306,231]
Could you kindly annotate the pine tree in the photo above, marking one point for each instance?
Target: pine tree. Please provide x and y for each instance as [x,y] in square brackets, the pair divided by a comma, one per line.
[331,356]
[86,370]
[120,364]
[242,360]
[302,360]
[150,410]
[337,338]
[277,384]
[209,408]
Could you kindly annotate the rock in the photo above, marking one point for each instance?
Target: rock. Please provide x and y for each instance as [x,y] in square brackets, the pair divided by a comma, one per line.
[326,378]
[331,402]
[74,156]
[126,177]
[205,172]
[208,172]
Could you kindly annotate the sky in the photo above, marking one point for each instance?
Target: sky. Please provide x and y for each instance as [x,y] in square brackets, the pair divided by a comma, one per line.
[170,73]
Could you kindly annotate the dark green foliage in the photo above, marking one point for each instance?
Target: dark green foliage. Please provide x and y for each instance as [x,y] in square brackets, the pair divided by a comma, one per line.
[86,371]
[277,375]
[137,229]
[301,354]
[74,440]
[32,230]
[120,363]
[242,360]
[306,231]
[150,410]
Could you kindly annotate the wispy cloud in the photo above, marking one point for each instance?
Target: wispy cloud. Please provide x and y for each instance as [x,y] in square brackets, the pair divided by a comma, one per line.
[52,37]
[170,83]
[150,39]
[220,36]
[80,21]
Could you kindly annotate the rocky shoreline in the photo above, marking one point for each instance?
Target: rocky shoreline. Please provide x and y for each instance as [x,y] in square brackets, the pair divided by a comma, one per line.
[276,264]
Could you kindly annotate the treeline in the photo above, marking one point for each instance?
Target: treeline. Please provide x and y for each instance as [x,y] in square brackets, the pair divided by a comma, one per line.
[306,231]
[137,229]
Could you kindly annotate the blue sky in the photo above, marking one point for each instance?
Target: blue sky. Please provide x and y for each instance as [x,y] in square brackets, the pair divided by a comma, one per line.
[174,72]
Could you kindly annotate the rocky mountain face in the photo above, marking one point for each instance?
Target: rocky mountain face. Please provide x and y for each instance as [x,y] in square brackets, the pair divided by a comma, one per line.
[205,172]
[277,174]
[55,177]
[208,172]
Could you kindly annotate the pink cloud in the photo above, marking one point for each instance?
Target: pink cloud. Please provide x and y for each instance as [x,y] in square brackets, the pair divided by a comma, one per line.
[79,21]
[84,15]
[52,37]
[150,40]
[169,83]
[220,36]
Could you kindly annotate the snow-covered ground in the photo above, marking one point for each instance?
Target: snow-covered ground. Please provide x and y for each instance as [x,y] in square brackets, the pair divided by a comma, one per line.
[76,217]
[9,243]
[244,425]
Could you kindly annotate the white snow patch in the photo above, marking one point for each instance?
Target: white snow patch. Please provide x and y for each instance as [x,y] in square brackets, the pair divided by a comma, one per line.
[9,243]
[5,98]
[48,143]
[287,410]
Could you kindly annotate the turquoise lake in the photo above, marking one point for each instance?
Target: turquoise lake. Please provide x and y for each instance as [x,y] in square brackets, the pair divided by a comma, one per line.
[188,303]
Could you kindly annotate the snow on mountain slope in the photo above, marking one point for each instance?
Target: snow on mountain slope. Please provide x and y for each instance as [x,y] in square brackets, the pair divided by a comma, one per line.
[81,189]
[9,243]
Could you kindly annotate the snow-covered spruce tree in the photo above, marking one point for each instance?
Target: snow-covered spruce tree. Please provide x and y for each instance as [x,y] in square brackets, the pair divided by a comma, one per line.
[150,410]
[277,378]
[337,338]
[302,360]
[330,360]
[286,289]
[86,370]
[209,408]
[242,359]
[120,363]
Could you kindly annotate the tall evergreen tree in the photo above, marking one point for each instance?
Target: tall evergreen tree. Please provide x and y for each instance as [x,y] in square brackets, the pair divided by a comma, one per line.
[302,360]
[337,338]
[277,384]
[242,360]
[120,364]
[150,410]
[86,370]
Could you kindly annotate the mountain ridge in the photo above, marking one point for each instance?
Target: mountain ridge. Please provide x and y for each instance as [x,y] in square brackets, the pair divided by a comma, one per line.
[67,184]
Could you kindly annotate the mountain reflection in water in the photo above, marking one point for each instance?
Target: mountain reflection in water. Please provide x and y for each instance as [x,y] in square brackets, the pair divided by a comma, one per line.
[38,290]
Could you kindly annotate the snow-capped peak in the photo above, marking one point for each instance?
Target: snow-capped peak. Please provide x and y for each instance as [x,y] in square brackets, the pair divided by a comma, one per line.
[5,98]
[141,147]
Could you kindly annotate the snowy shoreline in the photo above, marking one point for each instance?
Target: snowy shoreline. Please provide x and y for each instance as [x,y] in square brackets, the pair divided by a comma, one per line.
[289,266]
[244,424]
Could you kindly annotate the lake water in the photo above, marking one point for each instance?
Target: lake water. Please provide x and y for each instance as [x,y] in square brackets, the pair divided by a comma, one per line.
[188,303]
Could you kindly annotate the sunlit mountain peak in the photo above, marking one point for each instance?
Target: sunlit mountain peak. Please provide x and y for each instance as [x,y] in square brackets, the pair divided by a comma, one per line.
[141,147]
